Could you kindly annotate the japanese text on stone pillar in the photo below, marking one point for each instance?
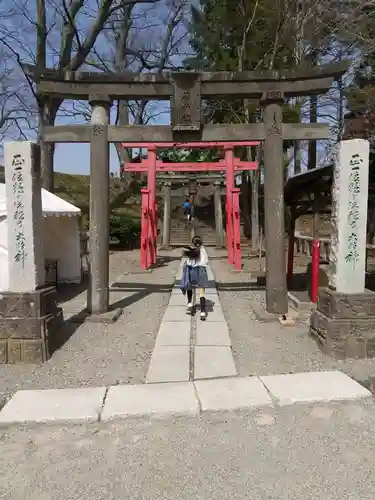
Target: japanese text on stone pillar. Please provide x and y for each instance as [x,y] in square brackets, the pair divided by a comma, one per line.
[352,254]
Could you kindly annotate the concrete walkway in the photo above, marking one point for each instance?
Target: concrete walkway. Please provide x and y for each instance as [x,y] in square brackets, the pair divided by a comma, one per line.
[93,404]
[324,451]
[187,348]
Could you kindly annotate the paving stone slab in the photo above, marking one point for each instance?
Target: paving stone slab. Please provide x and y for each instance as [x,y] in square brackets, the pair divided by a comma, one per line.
[173,333]
[210,274]
[177,313]
[178,300]
[212,334]
[54,405]
[213,362]
[157,399]
[313,387]
[212,303]
[169,364]
[211,291]
[216,315]
[232,393]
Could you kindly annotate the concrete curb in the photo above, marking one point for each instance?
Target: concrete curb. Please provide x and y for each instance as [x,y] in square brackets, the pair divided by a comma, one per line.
[179,398]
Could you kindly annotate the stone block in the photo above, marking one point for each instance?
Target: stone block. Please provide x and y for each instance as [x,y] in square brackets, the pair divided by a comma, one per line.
[27,351]
[173,333]
[177,313]
[29,327]
[161,400]
[42,302]
[313,387]
[345,306]
[232,394]
[178,300]
[107,318]
[40,338]
[216,315]
[210,274]
[263,315]
[169,364]
[213,362]
[343,338]
[213,334]
[54,405]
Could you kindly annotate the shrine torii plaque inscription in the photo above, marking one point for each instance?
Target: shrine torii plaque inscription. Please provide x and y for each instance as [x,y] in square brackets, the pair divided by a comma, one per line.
[186,90]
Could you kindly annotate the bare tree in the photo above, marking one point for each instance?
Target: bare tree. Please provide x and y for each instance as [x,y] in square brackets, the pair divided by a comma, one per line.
[58,34]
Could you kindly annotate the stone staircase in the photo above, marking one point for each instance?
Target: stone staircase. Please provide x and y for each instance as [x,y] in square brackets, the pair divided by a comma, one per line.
[182,232]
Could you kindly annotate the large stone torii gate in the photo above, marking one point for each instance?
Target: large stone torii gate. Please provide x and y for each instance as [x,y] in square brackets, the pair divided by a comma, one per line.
[186,89]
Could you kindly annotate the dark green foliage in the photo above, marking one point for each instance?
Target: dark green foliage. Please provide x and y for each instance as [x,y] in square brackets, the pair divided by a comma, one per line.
[125,230]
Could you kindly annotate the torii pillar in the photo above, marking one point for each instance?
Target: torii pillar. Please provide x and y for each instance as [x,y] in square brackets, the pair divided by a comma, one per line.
[276,287]
[218,215]
[167,215]
[98,296]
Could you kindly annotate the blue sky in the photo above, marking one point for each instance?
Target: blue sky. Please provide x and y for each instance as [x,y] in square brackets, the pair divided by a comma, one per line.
[75,158]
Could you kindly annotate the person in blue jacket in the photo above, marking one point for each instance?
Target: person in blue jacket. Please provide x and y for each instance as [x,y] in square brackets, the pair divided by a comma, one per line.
[187,209]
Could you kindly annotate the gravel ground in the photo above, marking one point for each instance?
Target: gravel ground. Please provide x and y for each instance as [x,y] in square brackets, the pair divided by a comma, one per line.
[98,354]
[301,452]
[268,348]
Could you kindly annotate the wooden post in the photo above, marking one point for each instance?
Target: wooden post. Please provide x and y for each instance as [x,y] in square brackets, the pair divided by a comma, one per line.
[218,215]
[167,215]
[145,260]
[237,262]
[276,288]
[98,300]
[151,185]
[315,225]
[291,244]
[229,177]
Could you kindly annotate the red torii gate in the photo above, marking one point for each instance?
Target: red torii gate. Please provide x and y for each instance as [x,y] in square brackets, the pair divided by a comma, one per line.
[151,165]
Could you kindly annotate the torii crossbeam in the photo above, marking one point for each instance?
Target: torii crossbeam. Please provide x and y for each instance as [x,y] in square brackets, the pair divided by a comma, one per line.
[151,165]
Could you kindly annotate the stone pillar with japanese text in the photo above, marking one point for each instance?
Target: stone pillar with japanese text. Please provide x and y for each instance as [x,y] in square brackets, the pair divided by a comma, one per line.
[30,320]
[25,218]
[349,216]
[344,322]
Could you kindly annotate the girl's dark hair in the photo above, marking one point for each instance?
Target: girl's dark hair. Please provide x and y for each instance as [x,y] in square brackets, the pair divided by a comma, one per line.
[194,253]
[197,241]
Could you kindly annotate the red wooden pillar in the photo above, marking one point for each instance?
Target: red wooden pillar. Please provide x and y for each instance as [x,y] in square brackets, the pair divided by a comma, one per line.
[229,177]
[151,185]
[145,263]
[237,261]
[155,239]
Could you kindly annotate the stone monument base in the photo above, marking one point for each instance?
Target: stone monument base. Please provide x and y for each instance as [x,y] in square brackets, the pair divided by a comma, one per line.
[344,324]
[30,326]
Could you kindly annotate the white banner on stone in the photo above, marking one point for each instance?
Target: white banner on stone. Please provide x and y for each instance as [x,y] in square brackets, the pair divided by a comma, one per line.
[349,216]
[24,216]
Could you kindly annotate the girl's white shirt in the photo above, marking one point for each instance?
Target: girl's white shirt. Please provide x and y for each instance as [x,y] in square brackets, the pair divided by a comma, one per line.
[202,261]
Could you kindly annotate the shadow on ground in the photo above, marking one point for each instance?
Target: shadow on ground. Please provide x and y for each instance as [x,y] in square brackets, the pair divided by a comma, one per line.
[68,291]
[239,286]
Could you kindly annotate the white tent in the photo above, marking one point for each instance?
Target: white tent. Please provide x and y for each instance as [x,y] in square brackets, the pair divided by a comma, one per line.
[61,237]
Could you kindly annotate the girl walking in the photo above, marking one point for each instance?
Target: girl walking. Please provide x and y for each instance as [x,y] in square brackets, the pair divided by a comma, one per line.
[194,275]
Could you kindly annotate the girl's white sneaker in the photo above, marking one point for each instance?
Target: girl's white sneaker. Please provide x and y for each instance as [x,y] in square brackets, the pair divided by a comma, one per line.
[203,315]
